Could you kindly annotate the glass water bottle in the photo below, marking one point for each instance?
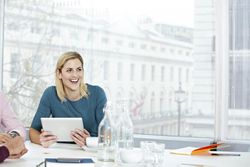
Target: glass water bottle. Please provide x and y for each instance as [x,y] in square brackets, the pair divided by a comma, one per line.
[124,130]
[106,137]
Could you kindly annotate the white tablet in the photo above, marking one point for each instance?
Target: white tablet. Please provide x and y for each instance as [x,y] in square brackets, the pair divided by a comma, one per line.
[61,127]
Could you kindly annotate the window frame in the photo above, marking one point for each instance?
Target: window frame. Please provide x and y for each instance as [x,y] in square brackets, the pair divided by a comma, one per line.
[2,4]
[221,81]
[221,68]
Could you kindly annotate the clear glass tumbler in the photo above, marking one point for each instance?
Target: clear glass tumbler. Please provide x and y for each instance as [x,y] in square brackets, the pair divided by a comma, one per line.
[153,153]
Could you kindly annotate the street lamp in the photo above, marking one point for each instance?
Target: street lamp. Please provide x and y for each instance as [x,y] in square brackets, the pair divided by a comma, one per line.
[180,97]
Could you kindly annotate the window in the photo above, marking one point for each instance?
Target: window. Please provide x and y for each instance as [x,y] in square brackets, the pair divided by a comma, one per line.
[171,74]
[119,71]
[105,40]
[132,72]
[152,106]
[172,51]
[105,70]
[152,73]
[143,72]
[162,102]
[179,75]
[13,26]
[15,66]
[187,76]
[131,45]
[163,49]
[153,48]
[36,28]
[162,73]
[239,70]
[190,44]
[143,46]
[119,42]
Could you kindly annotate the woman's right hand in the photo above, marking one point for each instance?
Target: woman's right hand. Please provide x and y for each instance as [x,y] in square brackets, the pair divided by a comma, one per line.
[47,138]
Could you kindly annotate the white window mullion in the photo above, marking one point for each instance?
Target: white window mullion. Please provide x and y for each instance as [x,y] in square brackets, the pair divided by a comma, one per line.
[221,58]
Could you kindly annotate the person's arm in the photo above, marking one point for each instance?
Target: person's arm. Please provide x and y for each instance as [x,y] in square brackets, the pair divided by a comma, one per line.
[79,136]
[34,136]
[44,110]
[44,138]
[9,120]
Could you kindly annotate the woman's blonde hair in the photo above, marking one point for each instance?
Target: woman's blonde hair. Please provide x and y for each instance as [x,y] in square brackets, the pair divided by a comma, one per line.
[59,84]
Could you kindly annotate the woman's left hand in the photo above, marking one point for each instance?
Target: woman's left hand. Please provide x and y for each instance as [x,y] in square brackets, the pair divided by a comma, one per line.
[79,136]
[4,137]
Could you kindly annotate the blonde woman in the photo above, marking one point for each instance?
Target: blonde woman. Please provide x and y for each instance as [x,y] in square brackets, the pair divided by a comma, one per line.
[70,97]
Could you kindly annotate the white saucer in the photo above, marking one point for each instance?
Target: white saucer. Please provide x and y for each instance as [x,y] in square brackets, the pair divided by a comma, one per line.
[89,149]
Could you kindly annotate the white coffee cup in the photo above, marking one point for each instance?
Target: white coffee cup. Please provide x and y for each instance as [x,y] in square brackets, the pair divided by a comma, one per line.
[131,155]
[92,142]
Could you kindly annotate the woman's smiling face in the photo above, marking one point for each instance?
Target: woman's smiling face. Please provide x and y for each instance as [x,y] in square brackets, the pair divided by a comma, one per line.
[71,75]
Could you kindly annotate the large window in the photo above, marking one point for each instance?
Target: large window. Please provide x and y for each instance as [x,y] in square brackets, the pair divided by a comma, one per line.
[239,70]
[161,55]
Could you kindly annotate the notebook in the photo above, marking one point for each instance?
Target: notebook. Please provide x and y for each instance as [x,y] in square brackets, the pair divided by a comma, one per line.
[62,127]
[69,162]
[195,151]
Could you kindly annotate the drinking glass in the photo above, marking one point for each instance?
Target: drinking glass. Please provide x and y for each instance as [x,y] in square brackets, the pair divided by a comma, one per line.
[153,153]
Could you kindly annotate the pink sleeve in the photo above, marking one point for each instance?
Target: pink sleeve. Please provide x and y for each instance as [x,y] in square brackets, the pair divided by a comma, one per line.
[9,120]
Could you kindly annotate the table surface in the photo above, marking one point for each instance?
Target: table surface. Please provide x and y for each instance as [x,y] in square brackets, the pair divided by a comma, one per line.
[37,154]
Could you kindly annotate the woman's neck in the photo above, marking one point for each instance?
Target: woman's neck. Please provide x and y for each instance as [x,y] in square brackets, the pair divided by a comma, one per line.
[73,95]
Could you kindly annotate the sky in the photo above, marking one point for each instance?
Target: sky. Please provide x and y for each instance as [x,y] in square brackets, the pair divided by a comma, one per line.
[175,12]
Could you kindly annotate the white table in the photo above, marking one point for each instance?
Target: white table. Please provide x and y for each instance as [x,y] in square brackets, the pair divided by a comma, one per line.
[36,154]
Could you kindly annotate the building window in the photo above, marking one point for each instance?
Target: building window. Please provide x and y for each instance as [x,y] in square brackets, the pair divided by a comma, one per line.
[36,28]
[172,51]
[153,48]
[119,42]
[163,49]
[132,72]
[152,73]
[152,104]
[171,74]
[131,45]
[105,40]
[143,46]
[105,70]
[13,26]
[180,75]
[119,71]
[15,65]
[161,102]
[187,75]
[179,52]
[162,73]
[143,72]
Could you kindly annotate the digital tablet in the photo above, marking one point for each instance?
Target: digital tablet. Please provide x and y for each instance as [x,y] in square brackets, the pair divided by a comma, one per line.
[62,127]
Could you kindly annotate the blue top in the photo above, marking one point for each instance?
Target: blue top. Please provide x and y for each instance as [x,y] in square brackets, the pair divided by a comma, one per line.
[89,108]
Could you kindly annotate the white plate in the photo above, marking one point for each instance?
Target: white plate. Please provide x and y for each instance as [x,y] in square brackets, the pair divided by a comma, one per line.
[89,149]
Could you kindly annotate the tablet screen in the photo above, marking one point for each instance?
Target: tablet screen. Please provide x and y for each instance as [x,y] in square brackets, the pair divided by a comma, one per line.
[62,127]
